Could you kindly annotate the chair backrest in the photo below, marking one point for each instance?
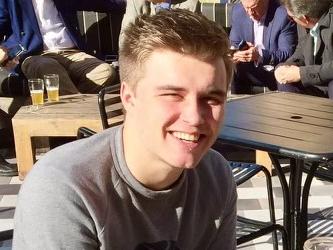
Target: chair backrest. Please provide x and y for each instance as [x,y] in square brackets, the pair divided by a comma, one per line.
[110,107]
[100,31]
[6,235]
[219,13]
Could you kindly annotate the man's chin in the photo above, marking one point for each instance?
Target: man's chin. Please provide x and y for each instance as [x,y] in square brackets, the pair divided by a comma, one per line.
[186,163]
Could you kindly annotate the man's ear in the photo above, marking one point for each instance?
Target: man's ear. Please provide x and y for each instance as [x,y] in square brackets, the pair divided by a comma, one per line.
[309,21]
[127,96]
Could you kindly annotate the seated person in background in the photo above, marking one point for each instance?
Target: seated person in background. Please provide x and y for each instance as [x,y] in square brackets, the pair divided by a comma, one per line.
[153,183]
[310,69]
[6,169]
[49,32]
[271,38]
[134,8]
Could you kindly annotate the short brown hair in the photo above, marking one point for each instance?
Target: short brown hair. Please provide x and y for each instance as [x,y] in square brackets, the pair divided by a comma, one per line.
[178,30]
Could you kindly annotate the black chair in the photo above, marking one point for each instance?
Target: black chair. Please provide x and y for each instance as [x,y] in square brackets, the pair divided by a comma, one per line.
[6,236]
[110,107]
[249,229]
[319,224]
[323,172]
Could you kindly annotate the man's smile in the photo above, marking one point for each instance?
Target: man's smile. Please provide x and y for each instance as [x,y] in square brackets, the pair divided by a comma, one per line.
[190,137]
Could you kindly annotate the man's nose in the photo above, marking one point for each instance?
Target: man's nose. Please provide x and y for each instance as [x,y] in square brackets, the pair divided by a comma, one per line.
[193,113]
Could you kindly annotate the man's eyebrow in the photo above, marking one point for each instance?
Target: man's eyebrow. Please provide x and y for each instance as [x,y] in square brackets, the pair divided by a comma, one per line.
[170,87]
[213,91]
[217,92]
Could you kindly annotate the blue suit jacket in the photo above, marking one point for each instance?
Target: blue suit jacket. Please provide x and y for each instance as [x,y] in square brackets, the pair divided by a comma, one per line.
[18,22]
[280,34]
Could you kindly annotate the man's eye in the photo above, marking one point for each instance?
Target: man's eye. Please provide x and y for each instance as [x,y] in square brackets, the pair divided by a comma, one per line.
[171,96]
[214,101]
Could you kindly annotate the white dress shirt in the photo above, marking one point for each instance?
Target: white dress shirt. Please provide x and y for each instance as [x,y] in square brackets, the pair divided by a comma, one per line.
[54,32]
[258,30]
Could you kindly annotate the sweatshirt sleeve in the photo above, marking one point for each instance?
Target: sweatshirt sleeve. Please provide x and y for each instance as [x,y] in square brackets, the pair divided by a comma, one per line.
[51,214]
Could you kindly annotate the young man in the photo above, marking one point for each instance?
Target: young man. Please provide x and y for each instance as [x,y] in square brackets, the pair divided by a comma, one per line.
[153,183]
[271,38]
[309,69]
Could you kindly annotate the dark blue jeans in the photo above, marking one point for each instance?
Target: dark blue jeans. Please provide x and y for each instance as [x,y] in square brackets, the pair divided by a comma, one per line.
[248,75]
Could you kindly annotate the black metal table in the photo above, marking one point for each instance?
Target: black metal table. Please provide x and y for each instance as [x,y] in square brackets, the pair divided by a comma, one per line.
[296,126]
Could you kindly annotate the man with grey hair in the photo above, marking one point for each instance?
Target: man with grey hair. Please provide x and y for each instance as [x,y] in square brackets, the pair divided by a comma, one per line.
[309,69]
[154,182]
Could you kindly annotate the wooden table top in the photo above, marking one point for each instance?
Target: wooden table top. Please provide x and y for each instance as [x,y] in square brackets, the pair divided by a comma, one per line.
[294,125]
[67,107]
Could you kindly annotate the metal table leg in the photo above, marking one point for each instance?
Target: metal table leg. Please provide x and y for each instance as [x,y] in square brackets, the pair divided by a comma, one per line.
[286,197]
[305,198]
[295,187]
[295,216]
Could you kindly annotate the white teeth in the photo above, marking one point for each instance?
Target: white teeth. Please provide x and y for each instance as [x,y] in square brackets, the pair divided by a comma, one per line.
[186,136]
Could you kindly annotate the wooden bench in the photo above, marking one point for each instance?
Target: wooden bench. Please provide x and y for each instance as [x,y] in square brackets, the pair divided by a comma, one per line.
[53,119]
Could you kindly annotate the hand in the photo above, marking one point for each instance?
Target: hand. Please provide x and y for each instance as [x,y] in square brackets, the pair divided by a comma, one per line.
[249,55]
[287,74]
[10,65]
[3,54]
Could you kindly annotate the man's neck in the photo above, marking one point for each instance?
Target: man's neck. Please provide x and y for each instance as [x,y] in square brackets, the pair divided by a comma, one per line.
[151,172]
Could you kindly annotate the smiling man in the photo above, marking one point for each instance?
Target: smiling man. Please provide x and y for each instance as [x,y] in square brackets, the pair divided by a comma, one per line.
[154,182]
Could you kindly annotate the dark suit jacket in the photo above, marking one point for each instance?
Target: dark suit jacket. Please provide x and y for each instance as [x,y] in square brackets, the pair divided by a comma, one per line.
[316,70]
[280,34]
[19,24]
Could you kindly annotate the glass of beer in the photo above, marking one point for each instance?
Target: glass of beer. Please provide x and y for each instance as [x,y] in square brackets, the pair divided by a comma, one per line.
[36,87]
[52,87]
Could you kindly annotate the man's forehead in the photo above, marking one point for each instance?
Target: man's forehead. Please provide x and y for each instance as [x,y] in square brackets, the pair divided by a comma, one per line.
[171,62]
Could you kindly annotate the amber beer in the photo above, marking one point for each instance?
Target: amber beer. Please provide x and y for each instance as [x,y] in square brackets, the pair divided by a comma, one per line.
[37,97]
[36,87]
[53,94]
[52,87]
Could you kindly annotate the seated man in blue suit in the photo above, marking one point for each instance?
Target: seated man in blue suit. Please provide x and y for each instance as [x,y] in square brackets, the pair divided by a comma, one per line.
[310,69]
[49,32]
[270,38]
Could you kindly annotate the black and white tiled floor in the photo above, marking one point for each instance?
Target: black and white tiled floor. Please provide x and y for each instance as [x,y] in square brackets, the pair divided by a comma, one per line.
[252,203]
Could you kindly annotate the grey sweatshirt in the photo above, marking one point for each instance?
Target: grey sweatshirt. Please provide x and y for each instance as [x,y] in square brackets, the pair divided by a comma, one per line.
[83,196]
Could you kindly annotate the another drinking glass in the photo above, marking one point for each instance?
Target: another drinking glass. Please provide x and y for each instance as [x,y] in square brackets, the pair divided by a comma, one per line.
[52,87]
[36,86]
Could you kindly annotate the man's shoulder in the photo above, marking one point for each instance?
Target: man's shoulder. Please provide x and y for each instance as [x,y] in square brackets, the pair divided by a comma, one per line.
[215,170]
[216,165]
[279,10]
[237,9]
[85,157]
